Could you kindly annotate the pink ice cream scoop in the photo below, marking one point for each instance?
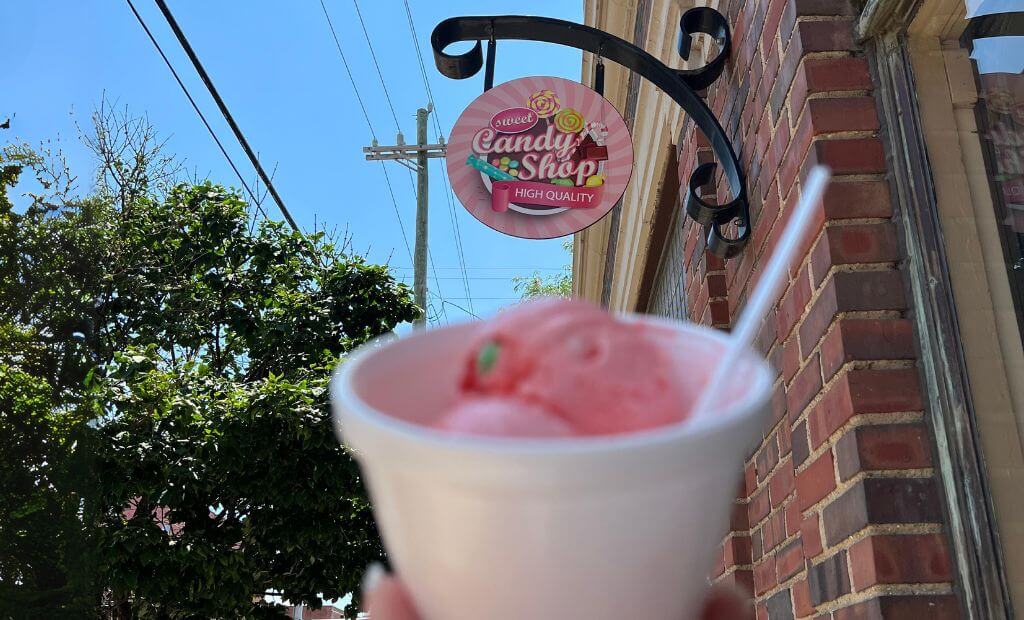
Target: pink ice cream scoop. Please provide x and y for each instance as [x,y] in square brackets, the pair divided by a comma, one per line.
[554,368]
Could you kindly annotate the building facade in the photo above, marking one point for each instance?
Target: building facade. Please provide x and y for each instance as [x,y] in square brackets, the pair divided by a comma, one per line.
[889,482]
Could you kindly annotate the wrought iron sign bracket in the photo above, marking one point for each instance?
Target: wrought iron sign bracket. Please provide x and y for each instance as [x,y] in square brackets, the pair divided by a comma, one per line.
[679,84]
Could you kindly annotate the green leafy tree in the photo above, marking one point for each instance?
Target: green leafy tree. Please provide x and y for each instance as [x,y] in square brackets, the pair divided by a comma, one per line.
[538,285]
[156,329]
[46,553]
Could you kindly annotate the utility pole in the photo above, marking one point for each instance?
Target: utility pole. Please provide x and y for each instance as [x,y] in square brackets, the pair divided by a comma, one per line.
[419,259]
[406,155]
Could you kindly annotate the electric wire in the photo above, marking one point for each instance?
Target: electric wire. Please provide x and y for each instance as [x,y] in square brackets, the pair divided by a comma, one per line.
[452,211]
[255,201]
[376,64]
[398,128]
[369,125]
[183,40]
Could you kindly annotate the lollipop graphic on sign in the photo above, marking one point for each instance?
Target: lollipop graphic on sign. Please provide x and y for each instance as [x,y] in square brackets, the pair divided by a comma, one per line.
[545,104]
[569,121]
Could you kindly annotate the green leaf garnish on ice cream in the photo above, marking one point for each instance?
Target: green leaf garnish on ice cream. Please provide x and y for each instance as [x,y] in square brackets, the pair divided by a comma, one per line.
[487,357]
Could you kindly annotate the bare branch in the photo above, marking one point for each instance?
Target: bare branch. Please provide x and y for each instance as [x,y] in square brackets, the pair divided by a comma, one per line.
[131,156]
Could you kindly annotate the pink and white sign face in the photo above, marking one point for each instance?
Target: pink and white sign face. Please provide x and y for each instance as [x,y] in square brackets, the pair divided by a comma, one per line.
[540,157]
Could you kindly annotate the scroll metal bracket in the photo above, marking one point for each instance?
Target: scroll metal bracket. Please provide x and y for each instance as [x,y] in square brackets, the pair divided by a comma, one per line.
[679,84]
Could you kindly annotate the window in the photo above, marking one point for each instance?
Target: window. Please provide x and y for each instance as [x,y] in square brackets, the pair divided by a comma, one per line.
[997,64]
[669,295]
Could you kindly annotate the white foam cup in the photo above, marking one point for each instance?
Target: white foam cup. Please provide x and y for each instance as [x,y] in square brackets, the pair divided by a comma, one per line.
[588,528]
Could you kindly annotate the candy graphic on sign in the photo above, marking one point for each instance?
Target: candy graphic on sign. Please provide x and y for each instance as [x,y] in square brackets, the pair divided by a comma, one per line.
[544,103]
[569,121]
[539,157]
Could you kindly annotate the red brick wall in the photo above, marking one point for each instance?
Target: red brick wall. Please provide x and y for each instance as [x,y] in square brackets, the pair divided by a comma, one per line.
[326,612]
[839,512]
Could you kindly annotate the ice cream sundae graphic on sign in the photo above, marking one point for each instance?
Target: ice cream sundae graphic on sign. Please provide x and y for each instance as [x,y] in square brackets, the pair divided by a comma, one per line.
[540,157]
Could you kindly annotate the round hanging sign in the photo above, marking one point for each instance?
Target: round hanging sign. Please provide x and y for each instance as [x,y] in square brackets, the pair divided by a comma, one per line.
[540,157]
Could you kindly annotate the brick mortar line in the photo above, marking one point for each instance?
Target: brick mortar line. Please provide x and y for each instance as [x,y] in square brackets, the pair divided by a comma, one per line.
[824,137]
[800,367]
[845,134]
[785,541]
[856,421]
[907,474]
[736,534]
[879,590]
[838,180]
[862,176]
[815,292]
[841,486]
[851,267]
[853,221]
[730,570]
[881,364]
[859,177]
[895,529]
[786,585]
[829,223]
[826,386]
[846,366]
[758,486]
[837,94]
[825,18]
[788,99]
[852,314]
[760,524]
[848,267]
[882,529]
[873,529]
[774,124]
[782,424]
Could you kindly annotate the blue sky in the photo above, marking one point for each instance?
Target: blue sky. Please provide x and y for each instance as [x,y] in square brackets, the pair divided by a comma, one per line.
[281,76]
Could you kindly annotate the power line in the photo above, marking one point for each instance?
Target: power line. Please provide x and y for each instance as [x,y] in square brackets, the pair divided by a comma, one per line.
[202,117]
[496,278]
[522,268]
[398,127]
[469,312]
[445,302]
[183,40]
[398,213]
[369,125]
[351,79]
[456,231]
[452,212]
[430,254]
[419,56]
[376,64]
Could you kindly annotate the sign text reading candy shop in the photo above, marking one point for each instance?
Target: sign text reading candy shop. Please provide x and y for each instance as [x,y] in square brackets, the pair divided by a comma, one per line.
[539,157]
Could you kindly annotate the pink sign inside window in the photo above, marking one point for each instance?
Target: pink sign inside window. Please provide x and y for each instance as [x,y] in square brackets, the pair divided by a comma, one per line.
[540,157]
